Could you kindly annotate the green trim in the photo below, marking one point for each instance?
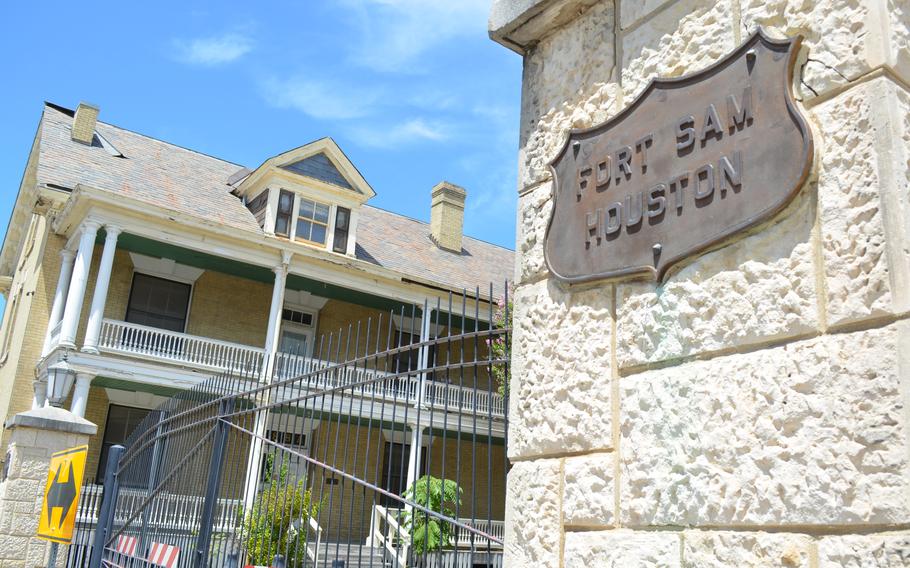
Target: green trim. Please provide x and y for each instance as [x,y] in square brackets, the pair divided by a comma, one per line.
[157,249]
[118,384]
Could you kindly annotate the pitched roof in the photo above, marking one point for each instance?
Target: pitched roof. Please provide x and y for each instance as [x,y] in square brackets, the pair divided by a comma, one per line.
[195,184]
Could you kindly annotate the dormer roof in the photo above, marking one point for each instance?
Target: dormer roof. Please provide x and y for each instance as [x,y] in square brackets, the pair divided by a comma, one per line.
[321,163]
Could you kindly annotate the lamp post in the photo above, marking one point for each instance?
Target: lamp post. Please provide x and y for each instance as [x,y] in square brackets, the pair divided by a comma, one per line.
[59,381]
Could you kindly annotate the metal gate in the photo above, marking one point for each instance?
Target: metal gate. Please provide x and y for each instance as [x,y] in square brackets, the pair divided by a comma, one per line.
[383,448]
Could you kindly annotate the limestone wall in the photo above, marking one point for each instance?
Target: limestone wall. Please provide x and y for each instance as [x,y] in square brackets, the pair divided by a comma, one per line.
[753,410]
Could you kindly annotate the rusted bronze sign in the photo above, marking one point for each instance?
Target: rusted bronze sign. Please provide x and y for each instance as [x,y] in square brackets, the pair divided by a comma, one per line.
[689,163]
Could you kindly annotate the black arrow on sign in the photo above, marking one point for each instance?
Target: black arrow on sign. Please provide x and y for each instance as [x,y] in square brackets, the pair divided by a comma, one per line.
[61,495]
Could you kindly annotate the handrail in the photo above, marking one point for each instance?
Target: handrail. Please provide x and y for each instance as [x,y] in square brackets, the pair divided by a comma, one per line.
[313,552]
[386,531]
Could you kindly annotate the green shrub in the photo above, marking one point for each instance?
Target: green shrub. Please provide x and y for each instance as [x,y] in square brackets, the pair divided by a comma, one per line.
[429,533]
[281,511]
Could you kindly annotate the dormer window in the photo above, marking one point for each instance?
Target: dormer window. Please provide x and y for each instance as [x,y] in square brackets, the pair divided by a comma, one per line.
[312,221]
[342,227]
[284,214]
[311,195]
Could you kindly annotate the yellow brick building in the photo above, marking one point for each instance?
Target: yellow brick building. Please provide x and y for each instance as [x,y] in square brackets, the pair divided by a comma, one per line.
[134,269]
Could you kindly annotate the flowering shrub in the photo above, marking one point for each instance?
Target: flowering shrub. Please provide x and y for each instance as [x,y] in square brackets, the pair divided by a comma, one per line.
[501,345]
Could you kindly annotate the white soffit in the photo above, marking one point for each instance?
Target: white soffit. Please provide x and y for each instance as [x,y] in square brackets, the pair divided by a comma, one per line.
[303,299]
[165,268]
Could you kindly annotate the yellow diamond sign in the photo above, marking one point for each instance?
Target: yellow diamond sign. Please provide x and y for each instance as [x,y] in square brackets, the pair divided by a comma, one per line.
[61,495]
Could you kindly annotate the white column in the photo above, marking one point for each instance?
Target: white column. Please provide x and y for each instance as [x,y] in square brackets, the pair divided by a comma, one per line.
[103,280]
[413,457]
[262,416]
[423,354]
[273,331]
[63,284]
[80,394]
[76,293]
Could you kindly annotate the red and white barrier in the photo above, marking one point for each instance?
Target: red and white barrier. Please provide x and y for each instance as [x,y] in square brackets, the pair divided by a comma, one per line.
[165,555]
[127,545]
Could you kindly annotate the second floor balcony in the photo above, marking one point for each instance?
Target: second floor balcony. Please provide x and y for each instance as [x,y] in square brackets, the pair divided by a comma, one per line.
[184,350]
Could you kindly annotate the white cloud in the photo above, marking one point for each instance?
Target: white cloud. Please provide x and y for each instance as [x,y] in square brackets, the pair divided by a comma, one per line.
[214,50]
[395,33]
[321,99]
[408,132]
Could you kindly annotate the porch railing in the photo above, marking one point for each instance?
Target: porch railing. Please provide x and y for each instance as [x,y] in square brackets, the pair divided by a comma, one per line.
[212,354]
[168,511]
[179,348]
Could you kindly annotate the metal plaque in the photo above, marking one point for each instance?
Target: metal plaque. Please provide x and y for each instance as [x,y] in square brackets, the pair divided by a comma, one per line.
[691,162]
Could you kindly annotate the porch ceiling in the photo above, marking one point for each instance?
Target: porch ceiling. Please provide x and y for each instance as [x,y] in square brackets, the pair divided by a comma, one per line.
[149,247]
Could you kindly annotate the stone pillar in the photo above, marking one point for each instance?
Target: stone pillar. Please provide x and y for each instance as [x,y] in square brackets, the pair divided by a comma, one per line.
[63,284]
[34,436]
[76,293]
[102,282]
[751,410]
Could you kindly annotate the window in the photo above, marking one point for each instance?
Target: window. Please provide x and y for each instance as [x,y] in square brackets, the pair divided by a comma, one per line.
[296,316]
[157,302]
[312,221]
[342,227]
[409,359]
[276,462]
[285,212]
[395,471]
[121,421]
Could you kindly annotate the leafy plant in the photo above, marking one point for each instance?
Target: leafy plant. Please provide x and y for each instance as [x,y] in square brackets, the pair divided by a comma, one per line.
[281,510]
[443,496]
[501,345]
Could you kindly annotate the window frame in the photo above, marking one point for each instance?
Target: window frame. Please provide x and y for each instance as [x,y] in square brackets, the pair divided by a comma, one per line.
[102,455]
[347,230]
[189,302]
[292,215]
[328,223]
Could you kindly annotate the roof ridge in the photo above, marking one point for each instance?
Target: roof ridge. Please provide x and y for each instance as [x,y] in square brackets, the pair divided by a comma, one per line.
[66,111]
[409,218]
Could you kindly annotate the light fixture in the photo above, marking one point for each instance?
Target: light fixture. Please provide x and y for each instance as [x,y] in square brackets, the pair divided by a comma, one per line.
[59,381]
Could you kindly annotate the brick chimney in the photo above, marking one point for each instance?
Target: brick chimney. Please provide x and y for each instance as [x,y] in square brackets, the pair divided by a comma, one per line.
[84,123]
[447,215]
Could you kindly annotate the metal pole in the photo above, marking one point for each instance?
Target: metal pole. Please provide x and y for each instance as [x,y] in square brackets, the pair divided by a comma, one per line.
[52,559]
[157,452]
[108,505]
[212,484]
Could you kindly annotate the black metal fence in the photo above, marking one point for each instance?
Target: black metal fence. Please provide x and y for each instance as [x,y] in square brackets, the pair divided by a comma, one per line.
[384,447]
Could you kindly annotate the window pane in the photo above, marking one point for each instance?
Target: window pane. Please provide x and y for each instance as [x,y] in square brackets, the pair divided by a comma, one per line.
[282,223]
[303,229]
[157,302]
[285,201]
[322,213]
[306,208]
[342,220]
[318,233]
[121,421]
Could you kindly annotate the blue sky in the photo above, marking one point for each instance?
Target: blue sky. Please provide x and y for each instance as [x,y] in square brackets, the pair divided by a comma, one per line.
[412,90]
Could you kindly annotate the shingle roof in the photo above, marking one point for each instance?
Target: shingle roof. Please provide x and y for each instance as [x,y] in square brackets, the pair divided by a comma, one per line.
[195,184]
